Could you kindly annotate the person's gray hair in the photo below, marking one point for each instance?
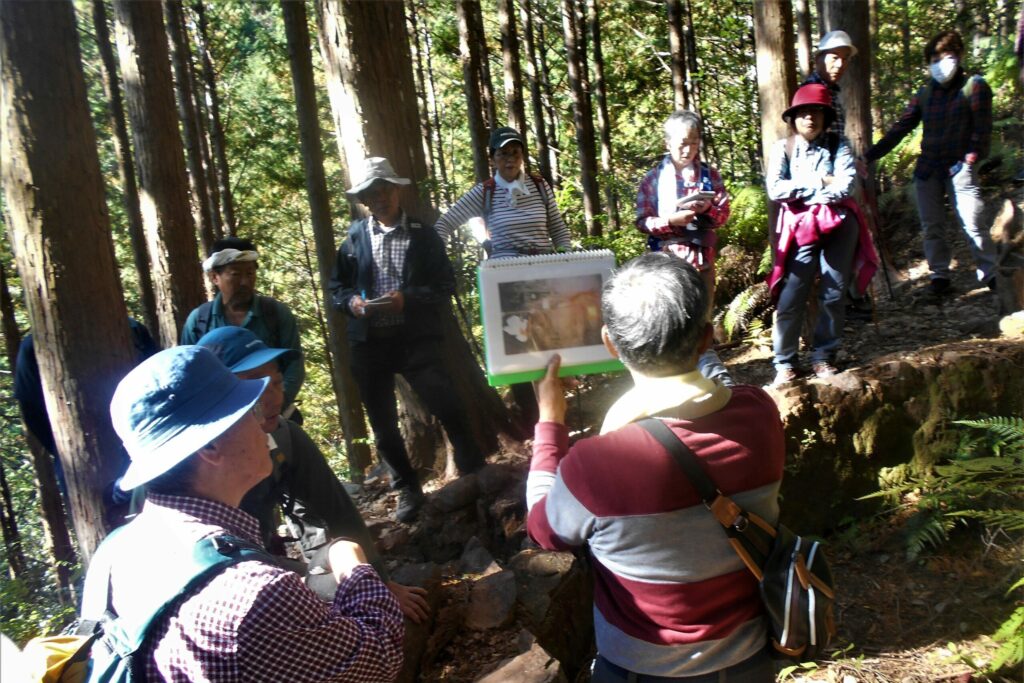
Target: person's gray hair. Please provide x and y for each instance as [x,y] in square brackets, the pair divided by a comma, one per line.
[655,308]
[683,117]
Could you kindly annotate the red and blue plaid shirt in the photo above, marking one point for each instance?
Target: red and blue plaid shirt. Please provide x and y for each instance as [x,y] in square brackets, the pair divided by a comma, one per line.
[256,621]
[957,127]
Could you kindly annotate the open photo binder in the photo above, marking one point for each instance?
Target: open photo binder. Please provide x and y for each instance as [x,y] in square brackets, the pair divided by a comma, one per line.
[532,307]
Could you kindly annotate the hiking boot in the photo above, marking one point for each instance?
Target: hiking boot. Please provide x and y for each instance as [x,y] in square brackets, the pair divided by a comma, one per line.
[939,286]
[823,369]
[409,503]
[783,375]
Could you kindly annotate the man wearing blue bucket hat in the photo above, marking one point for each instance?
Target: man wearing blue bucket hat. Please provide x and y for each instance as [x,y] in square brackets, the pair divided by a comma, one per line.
[302,482]
[192,430]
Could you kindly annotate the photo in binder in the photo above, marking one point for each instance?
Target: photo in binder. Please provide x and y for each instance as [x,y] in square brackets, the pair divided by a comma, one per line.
[532,307]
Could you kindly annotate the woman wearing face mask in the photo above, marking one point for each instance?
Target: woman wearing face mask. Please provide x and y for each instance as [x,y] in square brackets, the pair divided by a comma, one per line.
[820,230]
[956,110]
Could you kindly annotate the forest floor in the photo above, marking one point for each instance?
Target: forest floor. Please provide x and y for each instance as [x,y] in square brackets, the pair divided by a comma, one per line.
[899,620]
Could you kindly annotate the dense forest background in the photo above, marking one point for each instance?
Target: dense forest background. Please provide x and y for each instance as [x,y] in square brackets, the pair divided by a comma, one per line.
[248,57]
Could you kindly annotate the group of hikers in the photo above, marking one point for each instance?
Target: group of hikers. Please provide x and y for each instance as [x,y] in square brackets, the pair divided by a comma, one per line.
[216,444]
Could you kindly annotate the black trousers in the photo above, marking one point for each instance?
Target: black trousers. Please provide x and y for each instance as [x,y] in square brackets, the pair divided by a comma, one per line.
[375,363]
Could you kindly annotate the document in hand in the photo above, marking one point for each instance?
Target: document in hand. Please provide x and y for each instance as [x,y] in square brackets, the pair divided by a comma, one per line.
[694,197]
[534,306]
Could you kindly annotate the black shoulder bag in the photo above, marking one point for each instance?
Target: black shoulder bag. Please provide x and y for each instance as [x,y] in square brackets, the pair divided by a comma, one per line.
[794,576]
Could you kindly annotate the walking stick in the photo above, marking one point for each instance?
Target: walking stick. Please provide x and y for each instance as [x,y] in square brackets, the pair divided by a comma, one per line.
[876,229]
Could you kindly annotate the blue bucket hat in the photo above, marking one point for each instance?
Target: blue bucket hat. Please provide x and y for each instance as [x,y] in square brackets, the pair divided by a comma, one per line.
[239,349]
[173,404]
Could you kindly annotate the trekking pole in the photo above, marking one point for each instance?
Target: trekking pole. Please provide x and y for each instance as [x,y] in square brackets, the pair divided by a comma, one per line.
[874,220]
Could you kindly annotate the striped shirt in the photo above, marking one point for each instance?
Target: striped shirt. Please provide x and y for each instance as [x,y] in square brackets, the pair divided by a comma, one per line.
[256,621]
[671,596]
[533,226]
[389,247]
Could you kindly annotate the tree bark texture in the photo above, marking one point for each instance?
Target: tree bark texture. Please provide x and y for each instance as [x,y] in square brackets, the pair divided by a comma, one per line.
[776,68]
[486,83]
[373,98]
[174,18]
[804,46]
[435,116]
[350,408]
[604,124]
[173,251]
[426,134]
[512,69]
[59,547]
[677,50]
[220,157]
[853,17]
[125,166]
[549,106]
[60,231]
[582,117]
[543,153]
[469,56]
[693,73]
[876,84]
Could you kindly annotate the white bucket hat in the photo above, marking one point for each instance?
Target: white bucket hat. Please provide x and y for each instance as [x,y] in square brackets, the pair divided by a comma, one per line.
[835,39]
[376,168]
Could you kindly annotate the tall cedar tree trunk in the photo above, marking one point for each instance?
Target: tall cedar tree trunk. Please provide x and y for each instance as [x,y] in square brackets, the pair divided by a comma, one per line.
[60,231]
[423,106]
[536,106]
[375,114]
[677,50]
[142,47]
[512,69]
[125,166]
[776,77]
[202,124]
[55,524]
[804,41]
[469,56]
[435,115]
[691,62]
[14,552]
[486,84]
[353,423]
[604,124]
[853,17]
[876,83]
[549,104]
[174,17]
[582,116]
[220,157]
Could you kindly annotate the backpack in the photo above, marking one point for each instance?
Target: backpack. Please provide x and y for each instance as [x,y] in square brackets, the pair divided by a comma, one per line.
[794,577]
[267,310]
[925,93]
[107,650]
[490,184]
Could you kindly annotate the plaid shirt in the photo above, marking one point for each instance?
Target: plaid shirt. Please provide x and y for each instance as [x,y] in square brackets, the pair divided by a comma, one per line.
[839,125]
[389,247]
[259,622]
[956,127]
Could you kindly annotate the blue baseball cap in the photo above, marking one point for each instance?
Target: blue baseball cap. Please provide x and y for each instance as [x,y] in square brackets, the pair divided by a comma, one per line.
[173,404]
[239,349]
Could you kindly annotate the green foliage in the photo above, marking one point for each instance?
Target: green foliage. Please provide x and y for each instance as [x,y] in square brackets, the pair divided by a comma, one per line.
[746,309]
[748,219]
[982,483]
[627,244]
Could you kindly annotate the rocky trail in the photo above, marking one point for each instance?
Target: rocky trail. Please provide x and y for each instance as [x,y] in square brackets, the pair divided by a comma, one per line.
[506,611]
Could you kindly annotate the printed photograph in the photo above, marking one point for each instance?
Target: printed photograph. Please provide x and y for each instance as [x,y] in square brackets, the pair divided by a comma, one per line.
[550,313]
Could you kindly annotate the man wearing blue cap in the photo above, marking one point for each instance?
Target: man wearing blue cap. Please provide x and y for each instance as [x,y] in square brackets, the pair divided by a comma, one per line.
[192,430]
[301,474]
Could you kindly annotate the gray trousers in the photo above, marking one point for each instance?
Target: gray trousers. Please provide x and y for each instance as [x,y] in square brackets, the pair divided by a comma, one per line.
[832,254]
[965,198]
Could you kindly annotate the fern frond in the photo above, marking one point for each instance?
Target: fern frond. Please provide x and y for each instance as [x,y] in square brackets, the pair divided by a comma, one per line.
[926,532]
[1011,635]
[1007,520]
[1010,429]
[744,308]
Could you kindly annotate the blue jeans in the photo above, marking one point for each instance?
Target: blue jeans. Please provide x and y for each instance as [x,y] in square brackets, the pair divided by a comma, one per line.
[965,198]
[832,254]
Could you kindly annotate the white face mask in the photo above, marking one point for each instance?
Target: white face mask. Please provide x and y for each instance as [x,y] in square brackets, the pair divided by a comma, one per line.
[944,69]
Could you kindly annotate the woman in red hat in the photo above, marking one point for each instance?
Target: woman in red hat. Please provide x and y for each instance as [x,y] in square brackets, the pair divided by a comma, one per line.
[820,229]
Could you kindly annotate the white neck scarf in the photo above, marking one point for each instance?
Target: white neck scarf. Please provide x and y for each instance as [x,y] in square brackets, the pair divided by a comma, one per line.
[516,189]
[686,397]
[667,192]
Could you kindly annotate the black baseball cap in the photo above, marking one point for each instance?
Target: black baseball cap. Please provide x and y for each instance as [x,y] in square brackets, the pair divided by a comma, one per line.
[502,136]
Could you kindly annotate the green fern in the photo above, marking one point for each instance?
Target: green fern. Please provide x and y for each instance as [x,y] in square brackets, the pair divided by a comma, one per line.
[744,308]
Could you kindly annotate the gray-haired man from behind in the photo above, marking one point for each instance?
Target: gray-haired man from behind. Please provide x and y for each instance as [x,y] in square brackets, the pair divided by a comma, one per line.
[192,431]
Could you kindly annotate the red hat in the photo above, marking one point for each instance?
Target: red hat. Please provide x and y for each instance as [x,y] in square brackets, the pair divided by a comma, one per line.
[812,94]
